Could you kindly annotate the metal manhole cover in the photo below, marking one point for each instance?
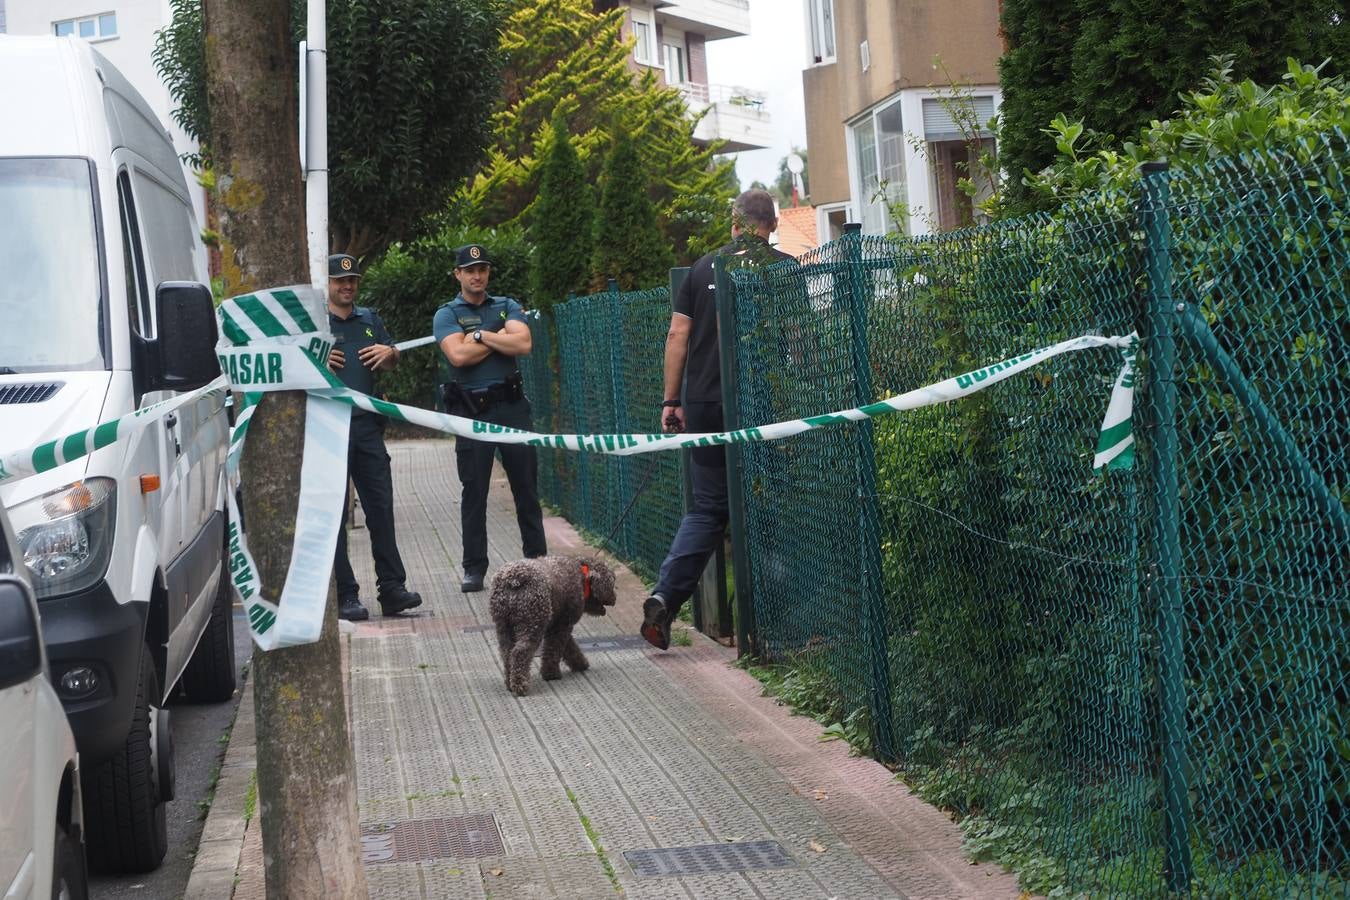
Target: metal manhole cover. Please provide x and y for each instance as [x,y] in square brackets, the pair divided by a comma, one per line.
[418,839]
[618,642]
[708,859]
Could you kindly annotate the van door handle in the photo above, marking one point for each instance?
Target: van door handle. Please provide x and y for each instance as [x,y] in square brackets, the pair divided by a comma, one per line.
[171,421]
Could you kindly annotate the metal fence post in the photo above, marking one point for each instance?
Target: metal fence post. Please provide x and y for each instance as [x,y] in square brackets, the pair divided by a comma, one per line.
[622,466]
[1166,583]
[746,639]
[581,422]
[874,601]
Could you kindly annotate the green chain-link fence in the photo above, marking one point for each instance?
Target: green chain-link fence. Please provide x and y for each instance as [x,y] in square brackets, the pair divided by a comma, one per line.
[608,380]
[1127,684]
[1010,628]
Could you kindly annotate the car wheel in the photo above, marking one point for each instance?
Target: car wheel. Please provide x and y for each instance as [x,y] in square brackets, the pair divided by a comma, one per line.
[69,879]
[123,796]
[211,675]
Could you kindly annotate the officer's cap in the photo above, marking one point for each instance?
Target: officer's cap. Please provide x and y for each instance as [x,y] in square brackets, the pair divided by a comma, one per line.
[471,255]
[340,265]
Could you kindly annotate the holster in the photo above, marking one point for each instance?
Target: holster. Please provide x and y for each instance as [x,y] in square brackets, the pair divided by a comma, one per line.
[458,400]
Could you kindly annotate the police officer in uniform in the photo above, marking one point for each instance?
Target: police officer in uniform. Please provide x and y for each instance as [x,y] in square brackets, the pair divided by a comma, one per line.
[361,348]
[482,337]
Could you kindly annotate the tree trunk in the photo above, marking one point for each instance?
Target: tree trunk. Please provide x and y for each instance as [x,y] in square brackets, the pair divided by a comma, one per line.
[306,780]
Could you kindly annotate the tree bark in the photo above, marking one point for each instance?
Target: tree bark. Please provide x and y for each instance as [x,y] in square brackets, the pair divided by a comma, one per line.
[306,778]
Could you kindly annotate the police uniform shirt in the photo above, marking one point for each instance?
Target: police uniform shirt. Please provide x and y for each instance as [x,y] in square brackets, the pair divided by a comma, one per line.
[363,328]
[461,317]
[697,299]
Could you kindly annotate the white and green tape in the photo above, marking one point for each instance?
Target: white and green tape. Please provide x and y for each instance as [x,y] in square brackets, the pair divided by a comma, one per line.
[271,341]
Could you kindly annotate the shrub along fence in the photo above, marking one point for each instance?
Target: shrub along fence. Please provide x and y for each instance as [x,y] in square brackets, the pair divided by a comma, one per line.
[1126,683]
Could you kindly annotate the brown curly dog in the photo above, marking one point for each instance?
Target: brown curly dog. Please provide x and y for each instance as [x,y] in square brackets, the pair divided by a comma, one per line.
[538,601]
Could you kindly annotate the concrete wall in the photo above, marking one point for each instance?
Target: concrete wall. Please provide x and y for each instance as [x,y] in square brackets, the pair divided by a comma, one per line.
[825,135]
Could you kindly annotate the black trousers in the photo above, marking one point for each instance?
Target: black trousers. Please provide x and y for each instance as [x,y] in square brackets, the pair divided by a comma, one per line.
[704,526]
[473,460]
[368,466]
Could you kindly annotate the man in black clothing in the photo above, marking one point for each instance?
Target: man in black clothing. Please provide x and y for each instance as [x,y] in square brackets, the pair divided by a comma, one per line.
[693,358]
[361,348]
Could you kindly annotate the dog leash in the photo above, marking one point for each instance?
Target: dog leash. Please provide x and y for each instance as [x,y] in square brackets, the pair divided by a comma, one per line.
[646,479]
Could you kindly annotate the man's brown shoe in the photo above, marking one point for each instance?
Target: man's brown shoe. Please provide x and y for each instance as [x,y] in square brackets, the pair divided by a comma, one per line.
[656,622]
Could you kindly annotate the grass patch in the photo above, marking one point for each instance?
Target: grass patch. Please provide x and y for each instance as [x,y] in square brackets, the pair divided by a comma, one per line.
[681,638]
[810,691]
[594,838]
[251,797]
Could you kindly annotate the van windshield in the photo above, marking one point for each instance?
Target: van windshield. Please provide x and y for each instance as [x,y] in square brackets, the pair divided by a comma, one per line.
[50,304]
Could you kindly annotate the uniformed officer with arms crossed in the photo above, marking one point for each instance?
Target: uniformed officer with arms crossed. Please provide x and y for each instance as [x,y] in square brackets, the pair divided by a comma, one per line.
[361,348]
[482,337]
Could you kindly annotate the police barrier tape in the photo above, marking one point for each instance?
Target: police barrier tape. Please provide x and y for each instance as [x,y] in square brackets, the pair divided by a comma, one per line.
[270,342]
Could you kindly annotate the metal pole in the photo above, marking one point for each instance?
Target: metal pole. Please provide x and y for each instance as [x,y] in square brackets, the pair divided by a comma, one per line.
[874,602]
[746,639]
[620,466]
[316,143]
[1197,330]
[1166,583]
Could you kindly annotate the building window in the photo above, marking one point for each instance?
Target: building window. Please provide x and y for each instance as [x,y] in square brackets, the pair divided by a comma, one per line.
[820,29]
[91,28]
[644,34]
[675,71]
[956,132]
[879,160]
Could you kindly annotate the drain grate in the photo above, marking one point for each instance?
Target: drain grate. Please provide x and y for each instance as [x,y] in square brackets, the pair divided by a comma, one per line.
[471,836]
[708,859]
[618,642]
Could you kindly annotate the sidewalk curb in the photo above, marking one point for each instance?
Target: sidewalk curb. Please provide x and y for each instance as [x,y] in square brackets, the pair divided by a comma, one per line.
[222,840]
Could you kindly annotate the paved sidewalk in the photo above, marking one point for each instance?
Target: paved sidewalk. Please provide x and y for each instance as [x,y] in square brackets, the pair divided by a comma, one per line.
[468,791]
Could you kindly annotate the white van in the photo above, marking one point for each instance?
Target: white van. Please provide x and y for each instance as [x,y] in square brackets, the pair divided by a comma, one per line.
[104,311]
[41,854]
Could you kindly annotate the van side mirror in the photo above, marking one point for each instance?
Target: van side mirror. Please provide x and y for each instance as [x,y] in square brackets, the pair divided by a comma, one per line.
[20,640]
[186,340]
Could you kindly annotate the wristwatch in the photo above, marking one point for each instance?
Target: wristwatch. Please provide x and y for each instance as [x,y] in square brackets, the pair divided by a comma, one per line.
[478,337]
[670,403]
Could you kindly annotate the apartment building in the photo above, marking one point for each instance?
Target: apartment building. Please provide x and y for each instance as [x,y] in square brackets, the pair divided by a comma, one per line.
[124,32]
[671,37]
[897,93]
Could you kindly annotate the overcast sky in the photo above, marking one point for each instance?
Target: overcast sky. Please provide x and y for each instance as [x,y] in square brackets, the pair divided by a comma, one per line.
[769,59]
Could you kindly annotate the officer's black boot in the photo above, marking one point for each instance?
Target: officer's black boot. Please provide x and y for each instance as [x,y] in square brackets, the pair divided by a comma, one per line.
[397,600]
[352,610]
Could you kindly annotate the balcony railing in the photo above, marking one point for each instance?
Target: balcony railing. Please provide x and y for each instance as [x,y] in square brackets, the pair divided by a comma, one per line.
[706,94]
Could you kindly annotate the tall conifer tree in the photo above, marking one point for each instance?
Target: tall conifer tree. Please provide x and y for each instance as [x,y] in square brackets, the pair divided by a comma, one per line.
[1119,64]
[628,243]
[564,217]
[560,55]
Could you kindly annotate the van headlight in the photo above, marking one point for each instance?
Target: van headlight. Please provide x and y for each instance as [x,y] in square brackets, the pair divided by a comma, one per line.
[66,536]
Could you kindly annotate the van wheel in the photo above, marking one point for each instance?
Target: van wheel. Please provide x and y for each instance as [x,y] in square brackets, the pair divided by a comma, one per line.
[211,675]
[69,879]
[123,804]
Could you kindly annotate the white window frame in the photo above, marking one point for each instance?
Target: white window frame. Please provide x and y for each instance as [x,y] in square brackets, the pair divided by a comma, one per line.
[875,214]
[647,19]
[820,36]
[95,22]
[682,74]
